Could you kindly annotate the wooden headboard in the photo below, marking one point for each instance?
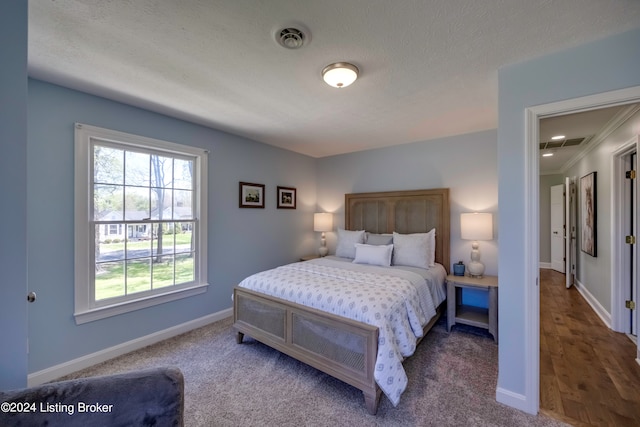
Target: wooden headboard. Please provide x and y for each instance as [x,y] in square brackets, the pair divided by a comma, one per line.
[412,211]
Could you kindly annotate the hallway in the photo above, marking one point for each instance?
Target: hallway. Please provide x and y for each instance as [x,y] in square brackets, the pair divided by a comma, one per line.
[588,373]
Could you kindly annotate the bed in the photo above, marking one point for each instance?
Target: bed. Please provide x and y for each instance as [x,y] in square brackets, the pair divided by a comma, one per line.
[306,327]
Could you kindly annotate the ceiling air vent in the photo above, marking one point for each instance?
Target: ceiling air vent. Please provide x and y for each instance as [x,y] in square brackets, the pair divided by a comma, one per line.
[291,38]
[560,144]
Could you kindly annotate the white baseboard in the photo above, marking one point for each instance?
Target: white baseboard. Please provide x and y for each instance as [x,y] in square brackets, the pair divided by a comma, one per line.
[545,265]
[516,400]
[66,368]
[603,314]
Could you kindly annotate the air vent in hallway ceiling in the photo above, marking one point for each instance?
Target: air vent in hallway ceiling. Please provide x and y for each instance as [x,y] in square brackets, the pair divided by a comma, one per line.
[560,144]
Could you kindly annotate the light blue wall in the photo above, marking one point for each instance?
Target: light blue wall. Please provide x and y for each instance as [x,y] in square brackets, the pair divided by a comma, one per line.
[241,241]
[13,185]
[592,68]
[466,164]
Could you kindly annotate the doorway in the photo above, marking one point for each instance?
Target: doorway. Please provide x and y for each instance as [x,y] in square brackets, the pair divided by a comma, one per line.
[532,291]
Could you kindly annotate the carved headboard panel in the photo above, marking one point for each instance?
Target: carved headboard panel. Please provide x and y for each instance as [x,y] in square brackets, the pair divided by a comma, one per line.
[412,211]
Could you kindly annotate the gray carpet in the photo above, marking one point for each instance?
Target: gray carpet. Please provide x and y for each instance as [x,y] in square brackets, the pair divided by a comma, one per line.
[452,382]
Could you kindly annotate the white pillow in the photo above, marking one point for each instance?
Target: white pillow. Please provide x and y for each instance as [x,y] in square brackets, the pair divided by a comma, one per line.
[346,242]
[432,247]
[415,250]
[373,254]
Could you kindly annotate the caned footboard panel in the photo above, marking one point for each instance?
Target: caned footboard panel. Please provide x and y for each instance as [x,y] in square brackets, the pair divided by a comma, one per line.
[261,314]
[341,347]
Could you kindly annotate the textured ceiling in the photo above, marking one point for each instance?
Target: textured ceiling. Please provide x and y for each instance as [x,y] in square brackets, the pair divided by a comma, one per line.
[428,68]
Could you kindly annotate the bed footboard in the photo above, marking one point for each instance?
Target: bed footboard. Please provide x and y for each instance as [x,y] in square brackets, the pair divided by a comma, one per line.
[342,348]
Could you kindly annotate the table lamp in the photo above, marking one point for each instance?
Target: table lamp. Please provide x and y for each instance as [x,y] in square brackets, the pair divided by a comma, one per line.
[476,226]
[323,222]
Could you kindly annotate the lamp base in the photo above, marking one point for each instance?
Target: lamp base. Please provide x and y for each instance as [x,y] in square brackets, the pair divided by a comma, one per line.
[323,251]
[475,269]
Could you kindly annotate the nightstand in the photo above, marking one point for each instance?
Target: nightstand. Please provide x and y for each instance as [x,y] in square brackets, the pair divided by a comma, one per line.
[457,312]
[308,257]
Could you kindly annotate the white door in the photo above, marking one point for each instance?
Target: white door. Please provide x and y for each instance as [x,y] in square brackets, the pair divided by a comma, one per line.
[557,228]
[570,220]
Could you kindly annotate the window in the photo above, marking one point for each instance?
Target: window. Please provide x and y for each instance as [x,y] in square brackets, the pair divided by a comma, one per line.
[140,225]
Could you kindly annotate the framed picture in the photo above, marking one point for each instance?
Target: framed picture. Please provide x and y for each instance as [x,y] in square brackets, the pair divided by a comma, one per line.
[251,195]
[286,198]
[588,213]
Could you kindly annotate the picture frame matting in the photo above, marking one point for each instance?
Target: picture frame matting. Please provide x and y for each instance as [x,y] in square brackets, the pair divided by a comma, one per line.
[251,195]
[286,197]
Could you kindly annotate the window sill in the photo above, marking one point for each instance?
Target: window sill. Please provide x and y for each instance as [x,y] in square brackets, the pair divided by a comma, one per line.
[98,313]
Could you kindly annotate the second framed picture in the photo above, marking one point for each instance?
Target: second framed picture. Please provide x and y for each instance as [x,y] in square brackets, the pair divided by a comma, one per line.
[251,195]
[286,198]
[588,213]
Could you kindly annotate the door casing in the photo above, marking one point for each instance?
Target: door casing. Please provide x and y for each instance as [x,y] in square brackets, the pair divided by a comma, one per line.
[623,268]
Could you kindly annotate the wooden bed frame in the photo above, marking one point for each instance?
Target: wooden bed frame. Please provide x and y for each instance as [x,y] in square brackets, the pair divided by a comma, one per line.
[307,334]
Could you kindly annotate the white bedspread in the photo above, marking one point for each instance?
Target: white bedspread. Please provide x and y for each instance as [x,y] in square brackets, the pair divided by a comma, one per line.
[397,301]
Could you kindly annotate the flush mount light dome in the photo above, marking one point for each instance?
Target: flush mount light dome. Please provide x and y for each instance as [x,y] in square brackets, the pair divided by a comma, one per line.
[340,74]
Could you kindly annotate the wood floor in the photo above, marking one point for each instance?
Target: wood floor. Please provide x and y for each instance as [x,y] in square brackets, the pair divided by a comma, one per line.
[588,373]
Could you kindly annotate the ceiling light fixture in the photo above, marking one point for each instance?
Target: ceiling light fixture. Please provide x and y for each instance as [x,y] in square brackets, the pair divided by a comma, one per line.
[557,137]
[547,155]
[340,74]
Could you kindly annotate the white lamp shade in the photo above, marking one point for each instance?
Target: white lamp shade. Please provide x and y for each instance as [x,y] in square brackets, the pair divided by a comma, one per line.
[322,221]
[340,74]
[476,226]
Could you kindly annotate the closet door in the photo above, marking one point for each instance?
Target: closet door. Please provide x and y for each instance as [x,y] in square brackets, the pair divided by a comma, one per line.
[557,228]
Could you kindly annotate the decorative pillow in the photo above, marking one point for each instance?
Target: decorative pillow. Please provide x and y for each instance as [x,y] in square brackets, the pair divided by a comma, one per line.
[415,250]
[346,242]
[373,254]
[432,247]
[378,239]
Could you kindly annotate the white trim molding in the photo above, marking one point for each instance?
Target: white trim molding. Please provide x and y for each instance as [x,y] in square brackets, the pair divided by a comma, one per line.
[509,398]
[532,265]
[66,368]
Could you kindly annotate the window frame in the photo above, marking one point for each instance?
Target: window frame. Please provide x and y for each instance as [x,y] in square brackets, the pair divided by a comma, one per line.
[86,308]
